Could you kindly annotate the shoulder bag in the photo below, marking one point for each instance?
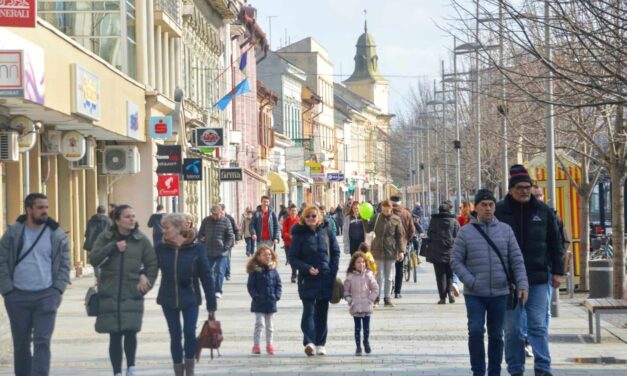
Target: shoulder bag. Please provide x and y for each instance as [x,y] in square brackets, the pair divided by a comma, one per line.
[512,299]
[338,286]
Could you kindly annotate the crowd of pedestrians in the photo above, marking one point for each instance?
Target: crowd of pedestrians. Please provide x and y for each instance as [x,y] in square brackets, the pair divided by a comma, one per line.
[508,255]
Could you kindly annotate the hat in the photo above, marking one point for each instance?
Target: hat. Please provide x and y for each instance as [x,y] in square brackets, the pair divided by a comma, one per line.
[445,206]
[395,200]
[484,194]
[517,174]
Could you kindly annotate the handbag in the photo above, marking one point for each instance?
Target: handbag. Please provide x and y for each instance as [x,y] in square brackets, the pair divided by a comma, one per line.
[91,301]
[210,337]
[424,247]
[338,285]
[512,299]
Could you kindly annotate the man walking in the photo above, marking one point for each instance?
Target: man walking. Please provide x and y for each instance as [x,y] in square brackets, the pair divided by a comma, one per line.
[96,225]
[34,271]
[236,237]
[408,226]
[535,228]
[264,226]
[216,234]
[154,222]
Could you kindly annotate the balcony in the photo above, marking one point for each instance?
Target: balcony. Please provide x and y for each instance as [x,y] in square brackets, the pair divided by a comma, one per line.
[168,16]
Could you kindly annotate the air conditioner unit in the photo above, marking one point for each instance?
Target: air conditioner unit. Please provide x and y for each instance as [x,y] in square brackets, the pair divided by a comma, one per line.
[120,160]
[88,161]
[9,147]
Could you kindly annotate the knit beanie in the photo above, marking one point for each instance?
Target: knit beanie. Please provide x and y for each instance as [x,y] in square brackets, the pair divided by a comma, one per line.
[484,194]
[445,207]
[517,174]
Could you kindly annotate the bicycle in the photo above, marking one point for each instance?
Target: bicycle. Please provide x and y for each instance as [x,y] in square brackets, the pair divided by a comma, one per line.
[411,261]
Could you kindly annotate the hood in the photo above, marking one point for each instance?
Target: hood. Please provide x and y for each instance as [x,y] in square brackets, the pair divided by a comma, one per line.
[304,229]
[50,222]
[254,266]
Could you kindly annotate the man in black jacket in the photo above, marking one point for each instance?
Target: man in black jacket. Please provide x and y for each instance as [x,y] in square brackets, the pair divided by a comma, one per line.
[236,238]
[96,224]
[535,227]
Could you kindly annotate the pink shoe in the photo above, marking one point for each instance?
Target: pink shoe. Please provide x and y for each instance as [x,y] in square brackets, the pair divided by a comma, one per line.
[270,349]
[256,349]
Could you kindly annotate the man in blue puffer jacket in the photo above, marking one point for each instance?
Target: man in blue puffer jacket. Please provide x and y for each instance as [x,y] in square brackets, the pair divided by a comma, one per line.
[486,288]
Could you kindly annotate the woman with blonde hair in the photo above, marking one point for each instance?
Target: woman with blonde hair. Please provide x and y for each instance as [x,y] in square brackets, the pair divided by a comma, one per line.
[466,213]
[316,254]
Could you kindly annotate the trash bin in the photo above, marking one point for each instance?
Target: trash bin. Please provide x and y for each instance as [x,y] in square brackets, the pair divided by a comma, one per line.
[601,278]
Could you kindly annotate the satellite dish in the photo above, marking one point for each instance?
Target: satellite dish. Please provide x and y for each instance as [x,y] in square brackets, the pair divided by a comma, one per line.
[26,132]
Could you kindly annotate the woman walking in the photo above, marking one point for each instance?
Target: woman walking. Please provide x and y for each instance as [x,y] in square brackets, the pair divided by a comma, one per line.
[465,213]
[128,269]
[354,233]
[316,254]
[486,288]
[442,232]
[183,262]
[286,229]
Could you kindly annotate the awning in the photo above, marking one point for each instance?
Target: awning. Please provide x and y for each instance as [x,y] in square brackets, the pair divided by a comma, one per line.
[277,183]
[300,178]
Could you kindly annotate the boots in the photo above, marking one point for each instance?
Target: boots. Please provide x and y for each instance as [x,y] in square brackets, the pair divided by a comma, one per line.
[358,341]
[387,302]
[189,366]
[179,369]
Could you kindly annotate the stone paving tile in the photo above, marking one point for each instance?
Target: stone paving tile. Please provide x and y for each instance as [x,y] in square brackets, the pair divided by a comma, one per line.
[417,337]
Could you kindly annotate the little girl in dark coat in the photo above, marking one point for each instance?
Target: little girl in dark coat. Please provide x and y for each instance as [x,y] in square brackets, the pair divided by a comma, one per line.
[264,287]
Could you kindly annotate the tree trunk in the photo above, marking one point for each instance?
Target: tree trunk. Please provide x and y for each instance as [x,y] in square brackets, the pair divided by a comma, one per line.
[584,244]
[617,176]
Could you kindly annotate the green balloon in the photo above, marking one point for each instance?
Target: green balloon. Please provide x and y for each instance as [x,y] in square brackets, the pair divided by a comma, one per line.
[366,211]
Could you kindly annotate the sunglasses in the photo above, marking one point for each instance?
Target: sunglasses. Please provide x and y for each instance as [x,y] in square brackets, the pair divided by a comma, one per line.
[314,216]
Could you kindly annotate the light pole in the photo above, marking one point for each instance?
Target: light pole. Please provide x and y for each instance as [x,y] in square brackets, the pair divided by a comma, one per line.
[477,101]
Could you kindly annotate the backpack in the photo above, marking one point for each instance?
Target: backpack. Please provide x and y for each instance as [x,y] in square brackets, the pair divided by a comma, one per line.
[210,337]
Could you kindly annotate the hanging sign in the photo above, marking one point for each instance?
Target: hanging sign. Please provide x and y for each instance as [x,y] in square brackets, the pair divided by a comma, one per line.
[192,169]
[18,13]
[168,159]
[211,137]
[161,127]
[231,174]
[73,146]
[168,185]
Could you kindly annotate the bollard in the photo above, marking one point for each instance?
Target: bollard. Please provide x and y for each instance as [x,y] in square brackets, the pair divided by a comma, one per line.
[601,275]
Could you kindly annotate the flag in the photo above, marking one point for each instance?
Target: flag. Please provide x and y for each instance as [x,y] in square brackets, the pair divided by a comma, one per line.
[243,60]
[241,88]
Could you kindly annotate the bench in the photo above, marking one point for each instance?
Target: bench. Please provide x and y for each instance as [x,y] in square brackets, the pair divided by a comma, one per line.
[597,307]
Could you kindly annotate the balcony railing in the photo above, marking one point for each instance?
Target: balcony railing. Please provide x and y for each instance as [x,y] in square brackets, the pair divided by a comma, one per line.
[170,7]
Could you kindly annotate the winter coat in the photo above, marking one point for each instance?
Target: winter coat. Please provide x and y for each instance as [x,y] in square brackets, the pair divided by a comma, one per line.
[97,224]
[154,222]
[332,224]
[360,291]
[216,235]
[407,221]
[287,225]
[389,236]
[12,242]
[121,304]
[536,230]
[264,287]
[246,227]
[477,265]
[349,221]
[311,249]
[443,229]
[256,224]
[236,234]
[182,269]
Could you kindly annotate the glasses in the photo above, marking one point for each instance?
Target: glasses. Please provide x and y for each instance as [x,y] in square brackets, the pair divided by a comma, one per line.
[314,216]
[522,188]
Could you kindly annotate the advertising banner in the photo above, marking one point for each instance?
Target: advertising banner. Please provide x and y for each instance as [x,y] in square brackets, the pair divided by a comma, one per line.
[168,185]
[18,13]
[168,159]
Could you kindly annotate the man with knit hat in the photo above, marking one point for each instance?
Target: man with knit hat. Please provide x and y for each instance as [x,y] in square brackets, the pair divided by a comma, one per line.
[536,230]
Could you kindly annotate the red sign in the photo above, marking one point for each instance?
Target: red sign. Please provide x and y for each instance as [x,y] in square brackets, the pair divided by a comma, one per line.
[18,13]
[168,185]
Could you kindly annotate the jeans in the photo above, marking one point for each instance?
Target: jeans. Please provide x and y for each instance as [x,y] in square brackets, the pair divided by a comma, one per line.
[115,349]
[263,320]
[359,322]
[287,257]
[477,308]
[537,332]
[32,315]
[227,272]
[398,276]
[217,265]
[250,246]
[444,278]
[548,312]
[314,321]
[173,318]
[384,271]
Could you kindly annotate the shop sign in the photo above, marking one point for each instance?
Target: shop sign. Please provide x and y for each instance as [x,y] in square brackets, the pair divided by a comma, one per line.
[295,159]
[21,67]
[12,73]
[231,174]
[168,159]
[335,176]
[73,146]
[315,167]
[132,119]
[86,92]
[192,169]
[211,137]
[18,13]
[161,127]
[318,178]
[168,185]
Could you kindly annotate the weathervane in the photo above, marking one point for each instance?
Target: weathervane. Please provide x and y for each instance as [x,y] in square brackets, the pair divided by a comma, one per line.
[366,20]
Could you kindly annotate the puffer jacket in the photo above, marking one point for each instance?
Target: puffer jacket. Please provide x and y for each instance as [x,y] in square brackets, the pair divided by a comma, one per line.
[389,236]
[360,291]
[217,236]
[477,265]
[183,269]
[443,229]
[264,287]
[121,304]
[309,249]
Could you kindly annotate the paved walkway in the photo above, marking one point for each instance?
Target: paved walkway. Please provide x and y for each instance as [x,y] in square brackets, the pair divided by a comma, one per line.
[417,337]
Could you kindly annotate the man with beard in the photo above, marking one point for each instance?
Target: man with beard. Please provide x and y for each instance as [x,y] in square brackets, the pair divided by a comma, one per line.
[34,271]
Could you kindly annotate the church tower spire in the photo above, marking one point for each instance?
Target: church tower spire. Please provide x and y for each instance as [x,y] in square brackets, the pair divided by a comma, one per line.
[366,59]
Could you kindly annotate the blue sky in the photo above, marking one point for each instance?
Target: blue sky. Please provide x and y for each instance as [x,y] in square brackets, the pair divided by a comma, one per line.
[408,41]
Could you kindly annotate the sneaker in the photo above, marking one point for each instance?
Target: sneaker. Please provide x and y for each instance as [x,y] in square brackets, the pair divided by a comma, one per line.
[367,348]
[270,349]
[320,350]
[130,371]
[256,349]
[528,351]
[387,302]
[455,289]
[358,351]
[310,350]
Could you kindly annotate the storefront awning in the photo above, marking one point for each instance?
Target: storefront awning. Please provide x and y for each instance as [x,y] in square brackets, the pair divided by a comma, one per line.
[301,178]
[277,183]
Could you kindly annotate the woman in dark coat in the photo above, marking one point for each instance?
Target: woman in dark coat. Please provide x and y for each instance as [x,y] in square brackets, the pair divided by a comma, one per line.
[128,269]
[184,266]
[443,229]
[354,232]
[316,254]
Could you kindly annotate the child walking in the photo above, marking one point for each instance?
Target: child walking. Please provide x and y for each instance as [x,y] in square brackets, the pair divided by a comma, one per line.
[360,291]
[264,287]
[370,263]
